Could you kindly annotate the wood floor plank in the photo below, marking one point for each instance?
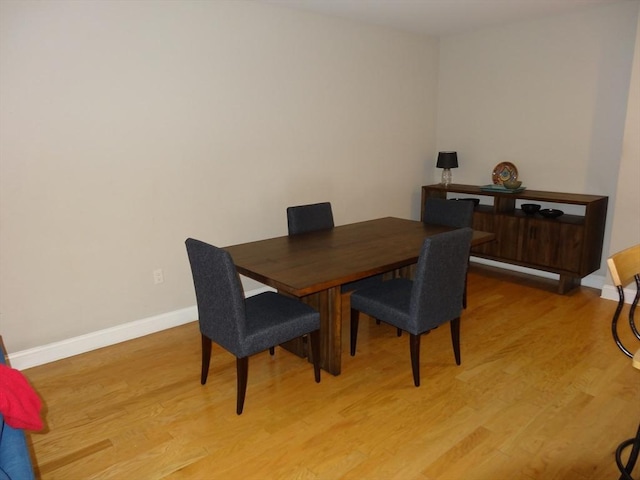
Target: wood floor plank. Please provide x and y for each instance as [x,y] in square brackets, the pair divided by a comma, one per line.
[542,393]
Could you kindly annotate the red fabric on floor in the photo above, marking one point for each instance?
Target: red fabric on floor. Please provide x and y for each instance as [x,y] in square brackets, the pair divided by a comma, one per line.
[19,403]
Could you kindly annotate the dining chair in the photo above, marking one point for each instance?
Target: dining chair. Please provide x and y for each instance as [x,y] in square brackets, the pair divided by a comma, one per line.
[315,217]
[244,326]
[431,299]
[450,213]
[624,267]
[309,218]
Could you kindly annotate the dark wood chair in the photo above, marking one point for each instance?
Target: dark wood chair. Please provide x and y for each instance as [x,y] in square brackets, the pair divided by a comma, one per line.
[242,326]
[418,306]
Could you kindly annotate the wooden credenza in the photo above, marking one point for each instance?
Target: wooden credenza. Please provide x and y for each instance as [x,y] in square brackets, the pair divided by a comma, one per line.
[570,245]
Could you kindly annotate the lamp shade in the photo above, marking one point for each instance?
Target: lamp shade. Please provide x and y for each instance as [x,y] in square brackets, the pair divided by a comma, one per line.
[447,160]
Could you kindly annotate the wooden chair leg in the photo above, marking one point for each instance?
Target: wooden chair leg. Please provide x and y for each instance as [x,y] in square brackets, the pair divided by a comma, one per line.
[455,338]
[464,293]
[242,367]
[355,316]
[414,347]
[206,359]
[315,353]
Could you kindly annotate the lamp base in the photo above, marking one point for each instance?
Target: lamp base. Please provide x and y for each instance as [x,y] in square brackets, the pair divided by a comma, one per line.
[446,177]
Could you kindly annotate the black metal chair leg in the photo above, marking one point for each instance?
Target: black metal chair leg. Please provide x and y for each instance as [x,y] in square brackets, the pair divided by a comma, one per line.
[627,469]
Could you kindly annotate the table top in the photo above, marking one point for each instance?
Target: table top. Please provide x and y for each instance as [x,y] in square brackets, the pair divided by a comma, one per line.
[308,263]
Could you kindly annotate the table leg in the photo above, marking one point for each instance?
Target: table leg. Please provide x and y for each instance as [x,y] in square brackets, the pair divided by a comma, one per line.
[329,304]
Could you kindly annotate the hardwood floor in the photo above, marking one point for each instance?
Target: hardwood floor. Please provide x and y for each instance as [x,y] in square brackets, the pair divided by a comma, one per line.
[542,393]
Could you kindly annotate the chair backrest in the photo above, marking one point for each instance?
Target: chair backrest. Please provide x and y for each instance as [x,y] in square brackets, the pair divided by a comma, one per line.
[309,218]
[625,268]
[451,213]
[219,294]
[440,278]
[624,265]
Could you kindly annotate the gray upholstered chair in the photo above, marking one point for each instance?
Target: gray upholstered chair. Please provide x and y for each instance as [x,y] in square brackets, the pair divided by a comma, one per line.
[244,326]
[417,306]
[315,217]
[450,213]
[309,218]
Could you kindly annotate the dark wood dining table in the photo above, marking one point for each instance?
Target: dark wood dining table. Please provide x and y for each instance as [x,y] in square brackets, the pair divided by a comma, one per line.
[313,266]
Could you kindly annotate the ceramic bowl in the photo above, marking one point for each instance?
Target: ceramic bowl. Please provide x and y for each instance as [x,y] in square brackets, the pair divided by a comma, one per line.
[550,212]
[530,208]
[512,184]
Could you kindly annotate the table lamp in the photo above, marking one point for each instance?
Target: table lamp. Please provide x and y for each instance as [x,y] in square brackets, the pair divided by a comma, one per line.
[447,161]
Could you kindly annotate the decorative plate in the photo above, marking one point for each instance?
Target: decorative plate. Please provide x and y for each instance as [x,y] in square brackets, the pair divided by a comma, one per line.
[504,171]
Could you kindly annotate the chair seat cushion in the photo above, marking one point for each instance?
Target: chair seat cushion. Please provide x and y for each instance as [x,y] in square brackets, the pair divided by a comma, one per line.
[388,301]
[273,319]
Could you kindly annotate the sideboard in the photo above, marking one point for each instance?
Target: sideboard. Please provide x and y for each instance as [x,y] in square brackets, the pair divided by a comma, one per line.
[570,245]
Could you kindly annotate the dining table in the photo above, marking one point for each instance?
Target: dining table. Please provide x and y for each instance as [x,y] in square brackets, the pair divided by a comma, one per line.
[313,267]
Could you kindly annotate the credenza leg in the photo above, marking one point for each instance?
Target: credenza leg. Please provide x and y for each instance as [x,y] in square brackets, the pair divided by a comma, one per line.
[567,283]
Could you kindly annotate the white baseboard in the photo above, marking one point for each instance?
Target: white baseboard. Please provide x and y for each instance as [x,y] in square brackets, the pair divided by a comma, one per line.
[110,336]
[593,281]
[51,352]
[608,292]
[101,338]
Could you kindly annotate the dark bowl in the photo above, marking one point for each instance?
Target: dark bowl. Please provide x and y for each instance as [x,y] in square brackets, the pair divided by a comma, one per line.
[530,208]
[550,213]
[476,201]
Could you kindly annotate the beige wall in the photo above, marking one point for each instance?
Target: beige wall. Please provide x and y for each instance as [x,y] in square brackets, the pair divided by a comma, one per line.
[549,96]
[626,218]
[129,126]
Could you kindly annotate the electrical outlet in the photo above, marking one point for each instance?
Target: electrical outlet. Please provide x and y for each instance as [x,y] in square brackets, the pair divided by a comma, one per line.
[158,276]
